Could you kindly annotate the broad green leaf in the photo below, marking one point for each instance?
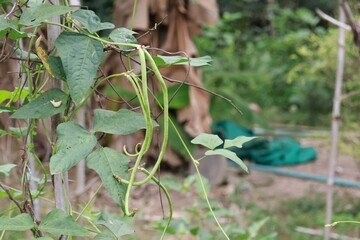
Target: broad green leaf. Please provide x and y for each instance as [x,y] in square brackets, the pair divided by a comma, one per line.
[57,67]
[81,57]
[228,154]
[237,142]
[35,15]
[21,222]
[91,21]
[210,141]
[56,222]
[123,35]
[117,227]
[6,168]
[107,163]
[73,144]
[8,26]
[166,61]
[105,235]
[44,106]
[122,122]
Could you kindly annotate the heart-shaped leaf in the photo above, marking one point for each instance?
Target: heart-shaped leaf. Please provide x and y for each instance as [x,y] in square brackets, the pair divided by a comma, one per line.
[73,144]
[210,141]
[123,35]
[37,14]
[91,21]
[117,227]
[122,122]
[21,222]
[108,163]
[56,222]
[43,106]
[81,57]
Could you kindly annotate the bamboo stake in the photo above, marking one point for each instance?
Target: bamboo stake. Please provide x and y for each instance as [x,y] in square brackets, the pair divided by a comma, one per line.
[335,124]
[60,180]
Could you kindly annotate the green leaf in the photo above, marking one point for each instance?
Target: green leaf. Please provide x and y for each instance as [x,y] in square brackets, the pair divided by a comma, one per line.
[35,15]
[105,235]
[6,168]
[18,93]
[122,122]
[107,163]
[123,35]
[57,67]
[4,95]
[21,222]
[237,142]
[210,141]
[81,57]
[24,54]
[228,154]
[117,227]
[9,26]
[18,132]
[73,144]
[255,227]
[43,106]
[166,61]
[91,21]
[56,222]
[6,109]
[3,133]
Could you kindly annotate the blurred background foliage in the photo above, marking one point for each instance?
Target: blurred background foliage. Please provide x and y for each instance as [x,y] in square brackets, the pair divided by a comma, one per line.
[278,54]
[281,56]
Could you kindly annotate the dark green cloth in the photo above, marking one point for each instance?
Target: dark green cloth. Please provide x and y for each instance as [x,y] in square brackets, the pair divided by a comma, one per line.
[275,152]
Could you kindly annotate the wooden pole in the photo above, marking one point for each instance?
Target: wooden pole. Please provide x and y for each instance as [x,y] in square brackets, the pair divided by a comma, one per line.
[335,124]
[60,180]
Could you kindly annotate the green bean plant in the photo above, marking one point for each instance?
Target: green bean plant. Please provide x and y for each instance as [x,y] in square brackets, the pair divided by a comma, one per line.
[56,84]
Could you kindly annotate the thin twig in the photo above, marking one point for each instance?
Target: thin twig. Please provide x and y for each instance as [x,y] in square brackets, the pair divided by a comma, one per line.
[332,20]
[11,197]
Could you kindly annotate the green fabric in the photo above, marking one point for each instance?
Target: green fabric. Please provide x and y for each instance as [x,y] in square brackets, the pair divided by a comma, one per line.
[275,152]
